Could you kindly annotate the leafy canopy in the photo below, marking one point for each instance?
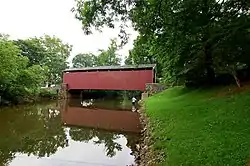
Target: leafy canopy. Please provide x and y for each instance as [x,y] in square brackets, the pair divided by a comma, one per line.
[107,57]
[47,51]
[187,39]
[16,77]
[25,65]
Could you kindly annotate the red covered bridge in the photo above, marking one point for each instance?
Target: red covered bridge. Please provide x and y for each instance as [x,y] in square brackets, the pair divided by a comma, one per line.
[110,77]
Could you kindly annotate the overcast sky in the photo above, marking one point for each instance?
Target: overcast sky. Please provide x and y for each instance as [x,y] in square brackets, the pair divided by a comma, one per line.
[29,18]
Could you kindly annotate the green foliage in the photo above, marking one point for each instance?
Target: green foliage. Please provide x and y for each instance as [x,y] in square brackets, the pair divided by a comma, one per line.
[48,93]
[191,40]
[200,127]
[10,62]
[84,60]
[25,65]
[55,58]
[107,57]
[49,52]
[32,49]
[99,13]
[15,78]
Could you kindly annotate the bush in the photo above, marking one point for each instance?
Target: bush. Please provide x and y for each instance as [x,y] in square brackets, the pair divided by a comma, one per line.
[48,93]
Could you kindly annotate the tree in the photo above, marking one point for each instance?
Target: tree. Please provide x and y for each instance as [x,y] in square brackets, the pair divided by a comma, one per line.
[142,53]
[109,57]
[31,48]
[55,58]
[84,60]
[181,36]
[31,79]
[17,79]
[231,54]
[49,52]
[10,65]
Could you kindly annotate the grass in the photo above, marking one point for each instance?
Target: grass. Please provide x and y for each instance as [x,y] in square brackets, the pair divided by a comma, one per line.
[201,127]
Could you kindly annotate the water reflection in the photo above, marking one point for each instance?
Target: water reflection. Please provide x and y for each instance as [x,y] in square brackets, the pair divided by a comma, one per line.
[102,119]
[87,103]
[109,104]
[34,135]
[105,138]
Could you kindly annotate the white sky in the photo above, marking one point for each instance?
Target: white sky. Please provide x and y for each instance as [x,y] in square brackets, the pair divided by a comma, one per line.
[28,18]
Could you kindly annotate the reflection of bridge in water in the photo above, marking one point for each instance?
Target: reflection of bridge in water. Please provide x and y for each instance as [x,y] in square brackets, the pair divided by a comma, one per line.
[114,120]
[36,136]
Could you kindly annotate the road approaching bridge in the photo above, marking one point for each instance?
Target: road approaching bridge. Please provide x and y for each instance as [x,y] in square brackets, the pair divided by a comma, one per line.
[110,77]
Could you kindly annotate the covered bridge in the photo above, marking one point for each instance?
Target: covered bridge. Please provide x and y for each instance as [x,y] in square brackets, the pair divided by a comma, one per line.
[110,77]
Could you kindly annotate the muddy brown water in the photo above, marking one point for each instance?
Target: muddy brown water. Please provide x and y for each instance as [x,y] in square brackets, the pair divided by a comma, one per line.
[69,133]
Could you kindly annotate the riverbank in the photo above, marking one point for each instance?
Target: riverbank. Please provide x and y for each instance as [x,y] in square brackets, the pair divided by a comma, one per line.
[200,127]
[43,94]
[146,155]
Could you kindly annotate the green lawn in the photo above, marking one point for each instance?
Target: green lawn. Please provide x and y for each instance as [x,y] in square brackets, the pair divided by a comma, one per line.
[200,127]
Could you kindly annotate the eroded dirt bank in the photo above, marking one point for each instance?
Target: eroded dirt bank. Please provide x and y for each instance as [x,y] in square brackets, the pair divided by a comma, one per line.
[146,156]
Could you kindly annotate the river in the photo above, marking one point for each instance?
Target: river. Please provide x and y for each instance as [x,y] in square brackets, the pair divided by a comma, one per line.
[69,133]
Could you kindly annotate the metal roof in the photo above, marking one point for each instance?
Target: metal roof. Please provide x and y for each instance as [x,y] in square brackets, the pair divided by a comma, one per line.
[124,67]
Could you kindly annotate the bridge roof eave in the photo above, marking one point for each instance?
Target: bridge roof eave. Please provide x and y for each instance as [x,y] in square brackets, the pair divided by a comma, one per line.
[106,68]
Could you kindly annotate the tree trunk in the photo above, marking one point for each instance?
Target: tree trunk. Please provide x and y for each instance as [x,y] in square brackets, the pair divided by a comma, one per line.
[208,44]
[236,79]
[209,64]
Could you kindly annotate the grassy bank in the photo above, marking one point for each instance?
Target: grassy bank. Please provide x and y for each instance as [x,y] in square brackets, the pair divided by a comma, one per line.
[201,127]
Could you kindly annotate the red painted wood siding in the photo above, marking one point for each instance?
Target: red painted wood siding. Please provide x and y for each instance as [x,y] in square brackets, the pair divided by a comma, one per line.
[109,80]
